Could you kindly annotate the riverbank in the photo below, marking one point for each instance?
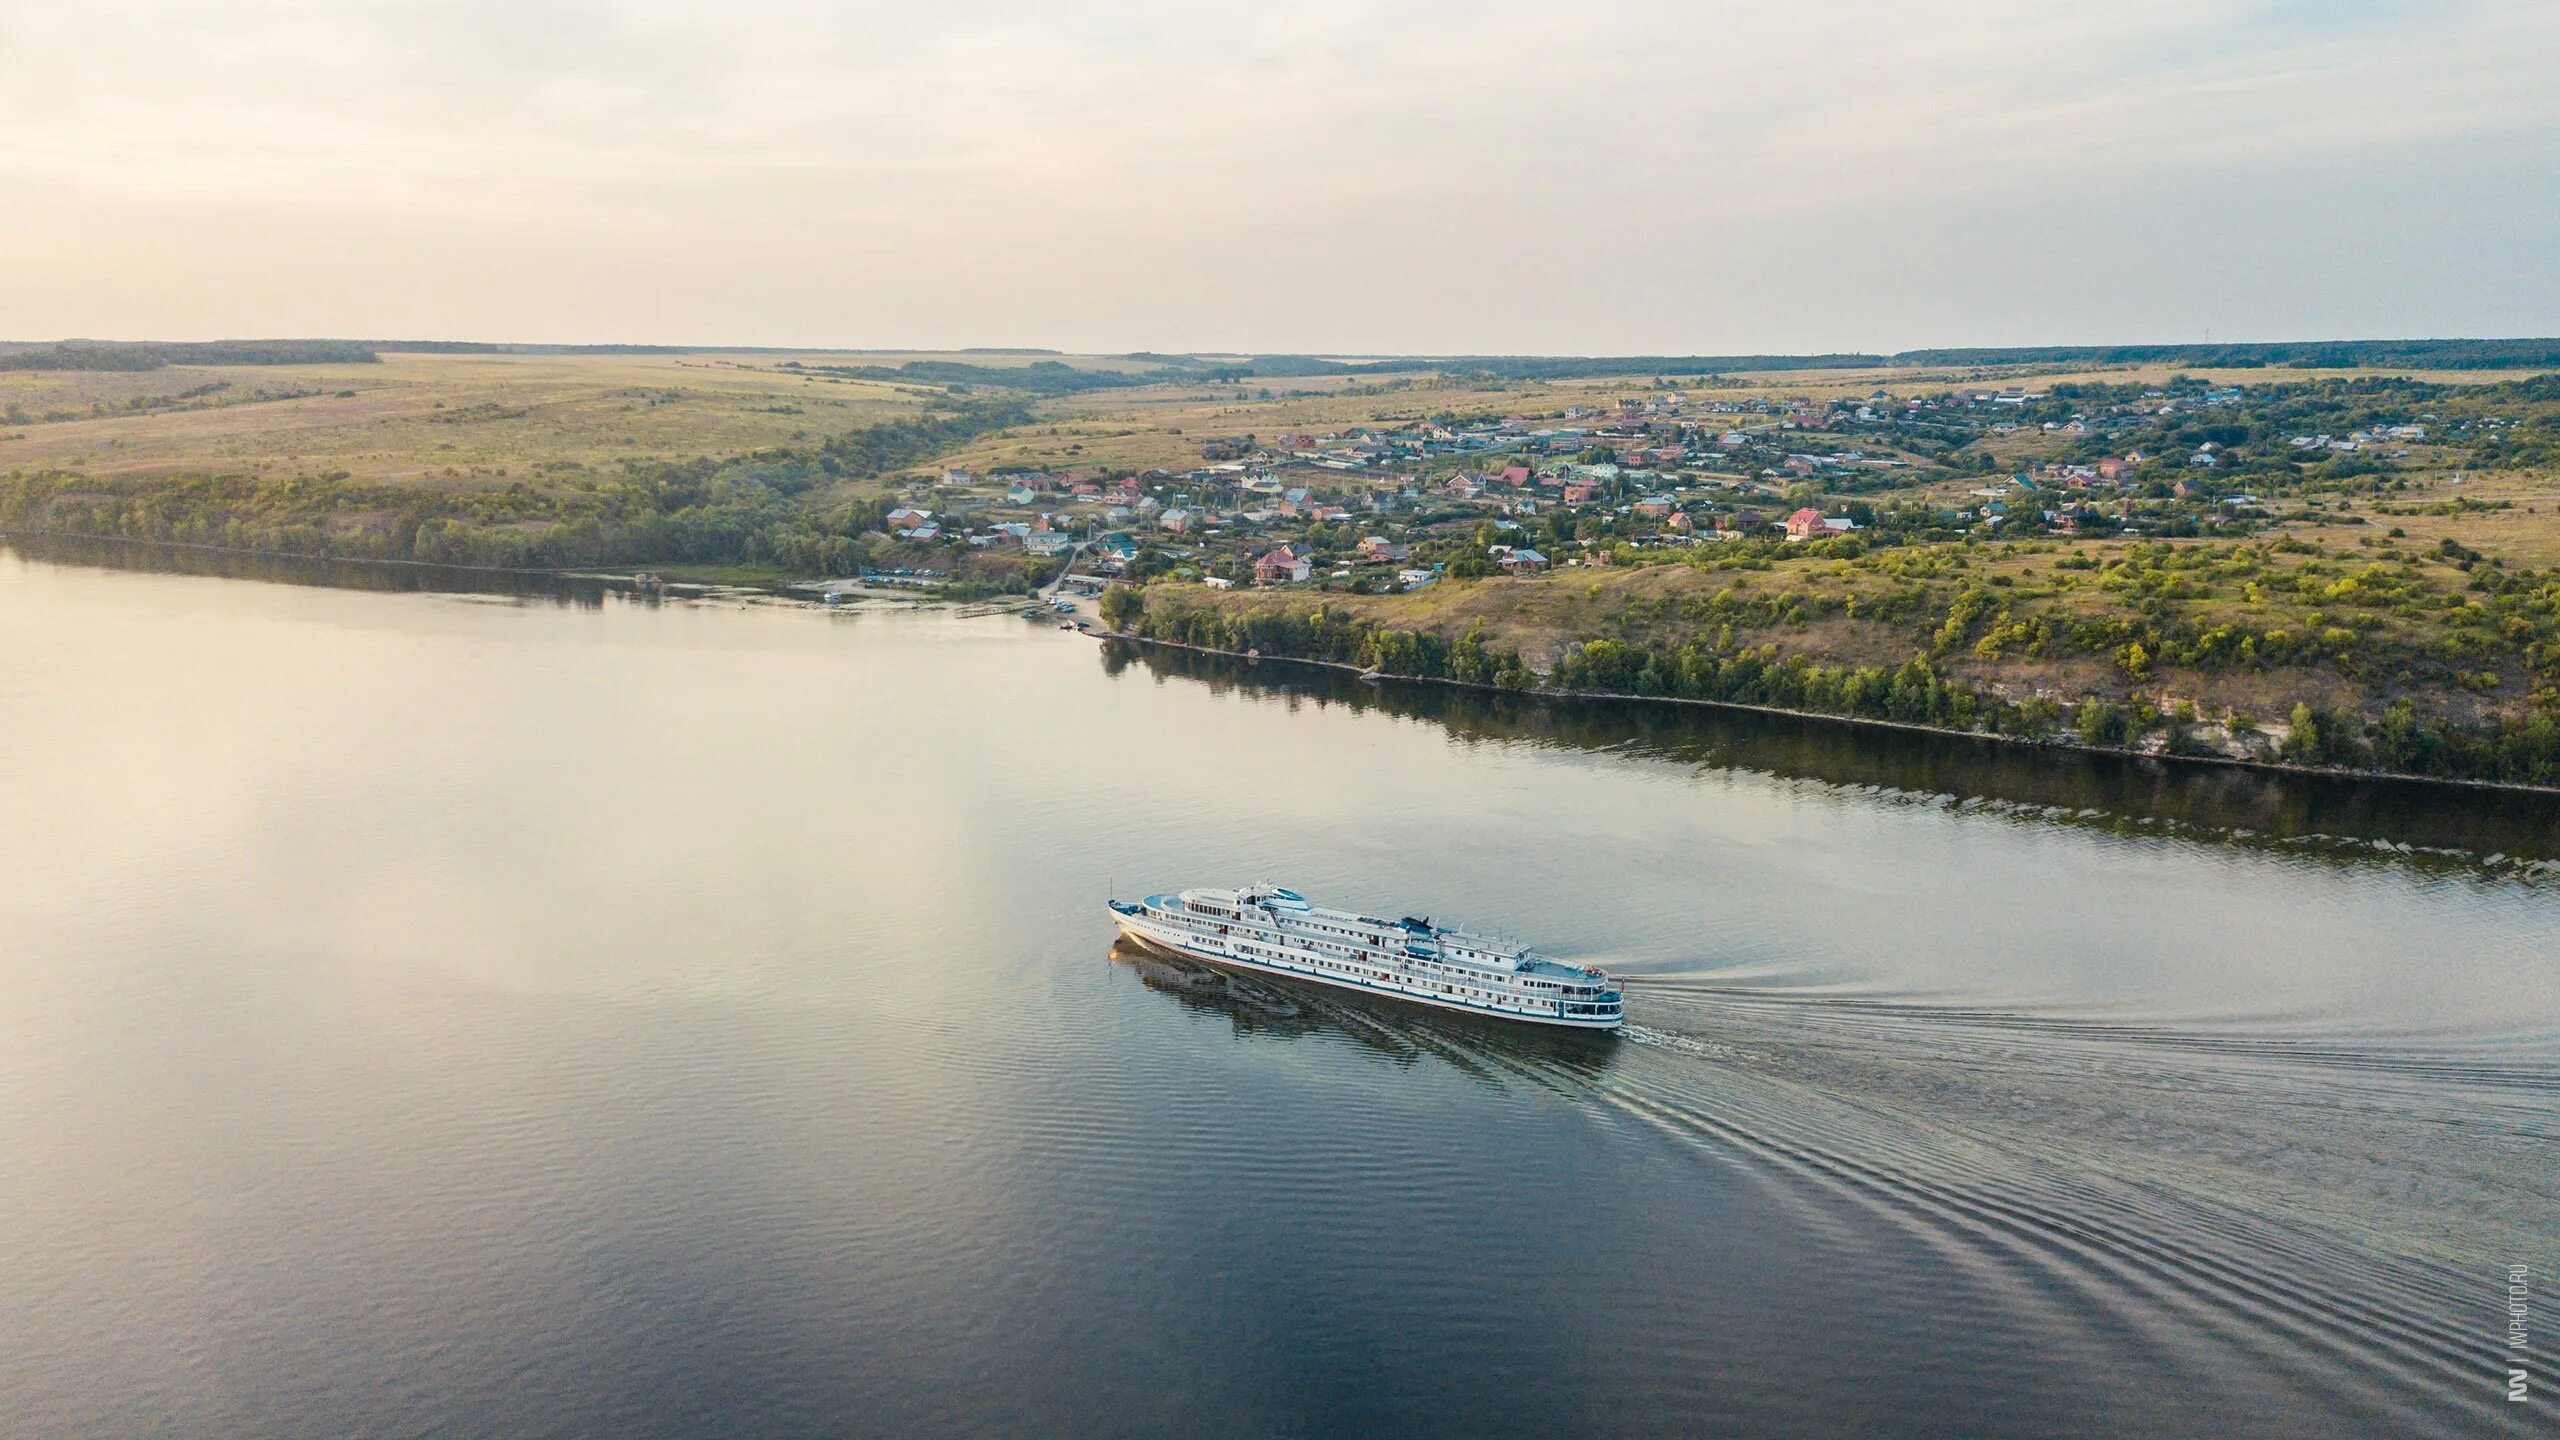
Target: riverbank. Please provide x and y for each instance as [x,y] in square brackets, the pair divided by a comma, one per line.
[2047,742]
[265,565]
[244,562]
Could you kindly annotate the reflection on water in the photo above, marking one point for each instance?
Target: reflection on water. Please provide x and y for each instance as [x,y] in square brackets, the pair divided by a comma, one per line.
[428,1016]
[1275,1006]
[2048,785]
[381,576]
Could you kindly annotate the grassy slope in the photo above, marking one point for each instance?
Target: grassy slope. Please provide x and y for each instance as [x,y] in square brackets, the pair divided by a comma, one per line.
[2358,627]
[453,420]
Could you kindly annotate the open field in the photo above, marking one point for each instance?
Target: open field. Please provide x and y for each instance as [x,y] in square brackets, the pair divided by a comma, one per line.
[437,418]
[990,359]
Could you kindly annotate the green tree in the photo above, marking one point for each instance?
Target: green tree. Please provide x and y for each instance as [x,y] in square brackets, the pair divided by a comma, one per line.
[1123,606]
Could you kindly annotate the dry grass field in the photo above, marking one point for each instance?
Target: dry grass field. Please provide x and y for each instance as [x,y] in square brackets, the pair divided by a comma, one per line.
[2521,525]
[1161,426]
[433,418]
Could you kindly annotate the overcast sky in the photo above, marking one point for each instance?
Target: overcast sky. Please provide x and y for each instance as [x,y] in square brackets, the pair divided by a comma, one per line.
[1605,176]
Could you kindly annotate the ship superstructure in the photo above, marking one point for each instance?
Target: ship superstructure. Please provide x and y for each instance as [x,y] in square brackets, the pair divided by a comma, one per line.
[1280,932]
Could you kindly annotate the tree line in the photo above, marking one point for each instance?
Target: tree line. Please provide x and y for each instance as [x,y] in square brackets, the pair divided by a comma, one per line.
[763,507]
[153,354]
[2506,749]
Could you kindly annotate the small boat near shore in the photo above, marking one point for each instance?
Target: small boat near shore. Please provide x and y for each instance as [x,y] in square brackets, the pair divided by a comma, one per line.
[1272,931]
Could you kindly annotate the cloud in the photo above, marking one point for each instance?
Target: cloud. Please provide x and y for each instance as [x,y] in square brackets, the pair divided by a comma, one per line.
[1138,173]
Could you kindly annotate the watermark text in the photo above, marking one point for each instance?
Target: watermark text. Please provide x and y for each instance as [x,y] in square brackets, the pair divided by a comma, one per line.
[2519,1332]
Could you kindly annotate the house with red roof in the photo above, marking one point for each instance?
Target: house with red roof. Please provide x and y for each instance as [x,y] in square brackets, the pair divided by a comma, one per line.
[1282,566]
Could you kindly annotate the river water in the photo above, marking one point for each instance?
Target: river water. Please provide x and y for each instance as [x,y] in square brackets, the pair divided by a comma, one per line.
[554,1013]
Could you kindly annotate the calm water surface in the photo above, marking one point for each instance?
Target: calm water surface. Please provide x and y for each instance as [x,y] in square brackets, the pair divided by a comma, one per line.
[450,1014]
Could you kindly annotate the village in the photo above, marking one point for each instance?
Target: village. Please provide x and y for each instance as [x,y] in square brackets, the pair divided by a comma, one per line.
[1398,504]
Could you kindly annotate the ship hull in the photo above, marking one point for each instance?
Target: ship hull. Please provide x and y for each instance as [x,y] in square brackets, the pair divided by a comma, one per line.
[1158,938]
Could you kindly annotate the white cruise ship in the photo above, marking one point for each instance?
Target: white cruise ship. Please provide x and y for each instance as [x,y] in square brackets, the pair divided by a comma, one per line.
[1276,931]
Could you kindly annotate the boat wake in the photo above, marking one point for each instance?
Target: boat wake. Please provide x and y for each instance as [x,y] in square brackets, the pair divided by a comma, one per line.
[1685,1044]
[2318,1217]
[2296,1231]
